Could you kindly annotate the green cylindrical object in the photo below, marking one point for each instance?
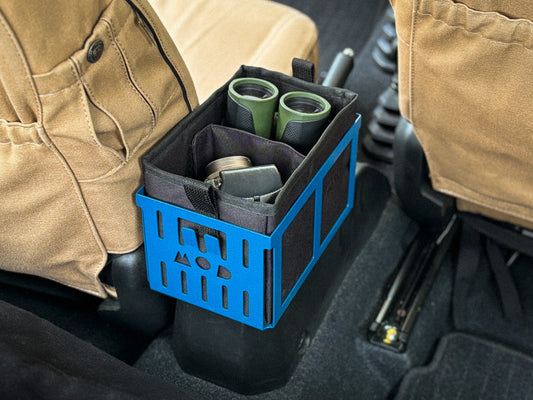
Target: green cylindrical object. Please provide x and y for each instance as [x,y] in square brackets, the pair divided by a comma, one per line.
[302,118]
[251,105]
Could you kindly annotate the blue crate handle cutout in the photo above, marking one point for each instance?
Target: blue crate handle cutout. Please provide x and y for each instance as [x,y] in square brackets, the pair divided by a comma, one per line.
[192,268]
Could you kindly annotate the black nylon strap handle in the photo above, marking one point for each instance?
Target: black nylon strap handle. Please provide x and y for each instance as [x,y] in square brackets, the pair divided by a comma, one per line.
[467,266]
[203,199]
[510,299]
[473,228]
[304,70]
[505,237]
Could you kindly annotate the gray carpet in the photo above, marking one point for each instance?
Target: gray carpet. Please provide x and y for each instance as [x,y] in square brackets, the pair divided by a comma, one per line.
[466,367]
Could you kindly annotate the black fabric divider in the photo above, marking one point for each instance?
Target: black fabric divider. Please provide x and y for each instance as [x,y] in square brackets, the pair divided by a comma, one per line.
[165,163]
[168,159]
[216,141]
[168,166]
[467,367]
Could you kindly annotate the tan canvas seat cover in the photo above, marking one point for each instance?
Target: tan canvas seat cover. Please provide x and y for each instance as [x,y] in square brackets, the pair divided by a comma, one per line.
[466,86]
[73,128]
[85,90]
[216,37]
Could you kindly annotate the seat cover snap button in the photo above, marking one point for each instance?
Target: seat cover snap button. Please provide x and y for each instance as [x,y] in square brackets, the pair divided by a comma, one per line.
[95,51]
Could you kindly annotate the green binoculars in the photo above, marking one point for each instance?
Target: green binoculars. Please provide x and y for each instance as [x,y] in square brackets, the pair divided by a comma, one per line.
[299,121]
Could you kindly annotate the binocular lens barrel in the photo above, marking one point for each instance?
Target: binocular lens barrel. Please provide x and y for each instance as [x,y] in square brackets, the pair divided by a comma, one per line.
[251,103]
[302,116]
[304,105]
[302,119]
[253,90]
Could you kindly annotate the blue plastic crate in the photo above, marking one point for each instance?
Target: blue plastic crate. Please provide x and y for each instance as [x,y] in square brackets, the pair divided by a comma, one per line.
[226,285]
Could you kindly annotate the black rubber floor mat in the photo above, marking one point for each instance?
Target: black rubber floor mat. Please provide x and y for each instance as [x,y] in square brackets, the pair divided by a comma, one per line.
[467,367]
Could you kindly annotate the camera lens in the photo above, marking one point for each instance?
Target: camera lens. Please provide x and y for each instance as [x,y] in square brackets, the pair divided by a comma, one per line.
[304,105]
[254,90]
[226,164]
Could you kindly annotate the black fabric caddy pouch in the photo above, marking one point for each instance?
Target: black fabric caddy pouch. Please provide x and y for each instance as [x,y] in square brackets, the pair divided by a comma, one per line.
[174,173]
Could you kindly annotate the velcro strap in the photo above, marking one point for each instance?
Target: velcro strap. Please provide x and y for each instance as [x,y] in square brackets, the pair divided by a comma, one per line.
[304,70]
[203,199]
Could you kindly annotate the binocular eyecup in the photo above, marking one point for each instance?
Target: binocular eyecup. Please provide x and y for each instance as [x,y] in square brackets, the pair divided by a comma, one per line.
[251,105]
[299,121]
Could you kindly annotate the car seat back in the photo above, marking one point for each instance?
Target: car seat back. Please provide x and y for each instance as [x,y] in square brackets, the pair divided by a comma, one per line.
[465,85]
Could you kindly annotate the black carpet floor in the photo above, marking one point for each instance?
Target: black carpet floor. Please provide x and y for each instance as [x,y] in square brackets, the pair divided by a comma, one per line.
[81,319]
[466,367]
[39,360]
